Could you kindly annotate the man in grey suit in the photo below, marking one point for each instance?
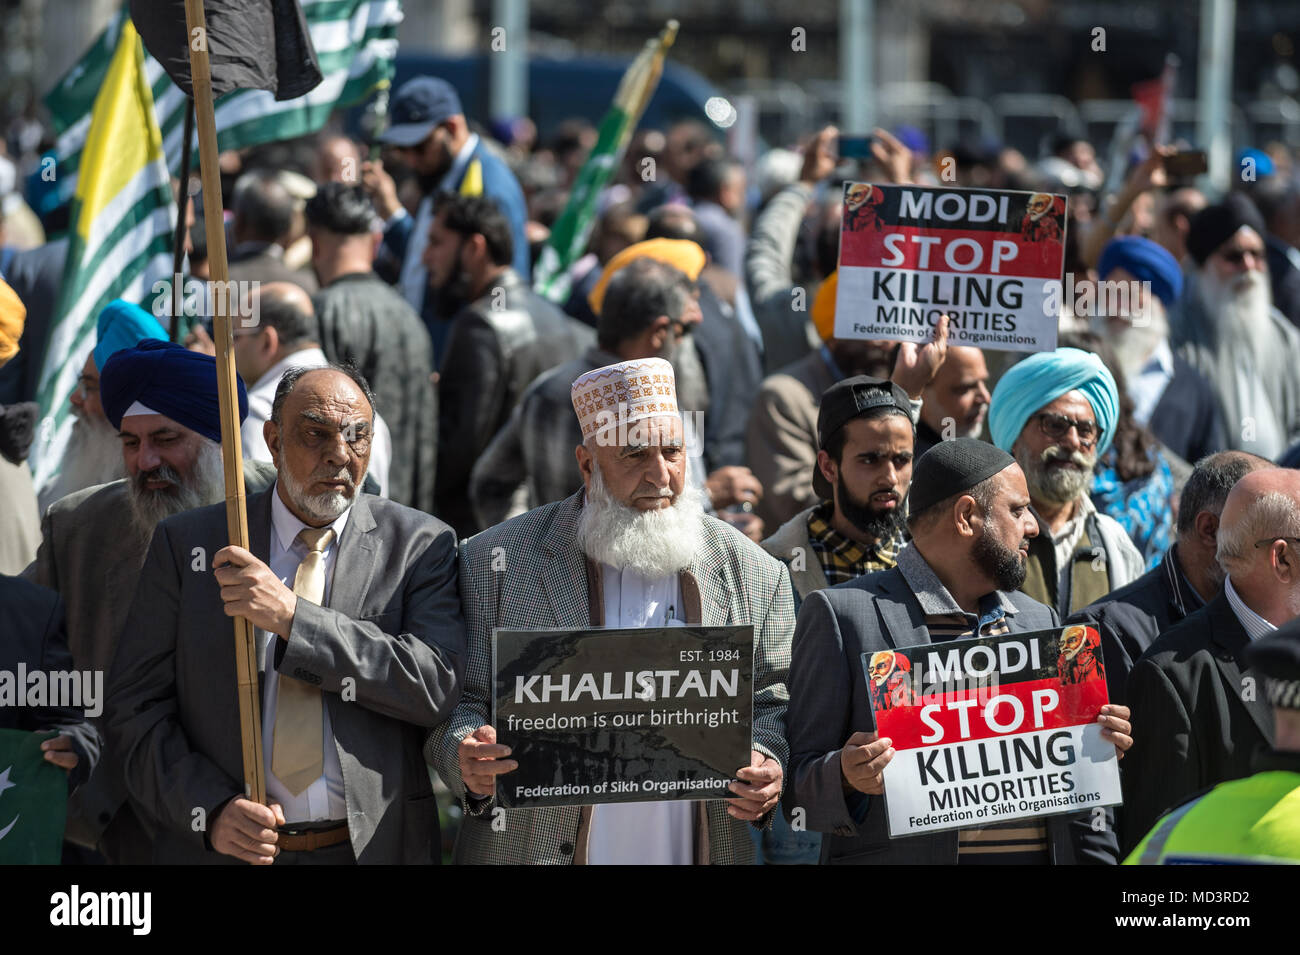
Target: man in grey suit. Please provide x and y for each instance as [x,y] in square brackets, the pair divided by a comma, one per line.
[361,653]
[93,542]
[633,549]
[971,524]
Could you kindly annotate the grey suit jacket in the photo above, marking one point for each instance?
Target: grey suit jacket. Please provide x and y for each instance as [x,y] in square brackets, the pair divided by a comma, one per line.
[829,702]
[528,573]
[392,629]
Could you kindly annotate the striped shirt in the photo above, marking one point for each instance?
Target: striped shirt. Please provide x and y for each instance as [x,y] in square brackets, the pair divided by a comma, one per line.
[1020,842]
[842,558]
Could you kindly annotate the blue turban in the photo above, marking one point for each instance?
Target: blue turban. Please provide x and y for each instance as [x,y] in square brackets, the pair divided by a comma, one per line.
[169,379]
[122,325]
[1042,378]
[1146,261]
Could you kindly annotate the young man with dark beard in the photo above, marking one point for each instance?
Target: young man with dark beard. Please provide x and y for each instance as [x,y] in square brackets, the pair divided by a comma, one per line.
[971,526]
[865,438]
[864,465]
[633,548]
[94,540]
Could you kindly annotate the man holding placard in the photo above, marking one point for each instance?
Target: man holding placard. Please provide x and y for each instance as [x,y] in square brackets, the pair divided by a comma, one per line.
[633,549]
[971,526]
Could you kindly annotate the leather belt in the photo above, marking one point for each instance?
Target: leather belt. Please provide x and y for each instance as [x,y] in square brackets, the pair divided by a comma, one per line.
[309,841]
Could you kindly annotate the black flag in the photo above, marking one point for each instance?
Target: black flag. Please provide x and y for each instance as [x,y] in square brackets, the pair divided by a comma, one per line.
[252,44]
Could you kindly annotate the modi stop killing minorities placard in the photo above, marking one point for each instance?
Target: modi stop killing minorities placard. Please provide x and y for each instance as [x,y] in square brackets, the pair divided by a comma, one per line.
[992,729]
[622,715]
[990,259]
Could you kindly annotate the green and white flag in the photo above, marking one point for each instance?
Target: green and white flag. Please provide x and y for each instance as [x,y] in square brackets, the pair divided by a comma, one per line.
[355,41]
[33,801]
[568,239]
[119,241]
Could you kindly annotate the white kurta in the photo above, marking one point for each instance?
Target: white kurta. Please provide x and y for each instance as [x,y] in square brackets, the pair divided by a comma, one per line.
[642,833]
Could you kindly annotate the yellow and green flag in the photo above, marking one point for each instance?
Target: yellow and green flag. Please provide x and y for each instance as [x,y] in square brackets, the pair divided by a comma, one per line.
[568,239]
[122,219]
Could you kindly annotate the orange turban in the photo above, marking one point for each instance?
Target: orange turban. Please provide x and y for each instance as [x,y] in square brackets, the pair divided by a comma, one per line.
[680,253]
[823,307]
[13,316]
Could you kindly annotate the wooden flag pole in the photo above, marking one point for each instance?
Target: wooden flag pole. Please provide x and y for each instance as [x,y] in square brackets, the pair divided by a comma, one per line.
[246,676]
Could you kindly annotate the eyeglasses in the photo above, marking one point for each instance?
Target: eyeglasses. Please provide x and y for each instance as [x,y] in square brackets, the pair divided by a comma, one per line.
[1269,541]
[1057,426]
[1238,256]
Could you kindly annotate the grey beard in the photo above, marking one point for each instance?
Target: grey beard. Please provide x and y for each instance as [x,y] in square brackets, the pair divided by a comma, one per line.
[324,508]
[653,544]
[93,456]
[1057,485]
[205,485]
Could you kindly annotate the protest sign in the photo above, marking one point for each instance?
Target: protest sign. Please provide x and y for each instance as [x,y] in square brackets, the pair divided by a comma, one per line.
[993,729]
[990,259]
[630,715]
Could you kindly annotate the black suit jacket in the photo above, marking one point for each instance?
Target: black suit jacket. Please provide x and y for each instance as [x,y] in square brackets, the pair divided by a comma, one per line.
[1198,715]
[1130,619]
[829,701]
[35,635]
[1187,418]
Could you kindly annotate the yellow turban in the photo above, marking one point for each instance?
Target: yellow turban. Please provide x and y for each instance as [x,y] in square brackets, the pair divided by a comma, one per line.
[823,307]
[680,253]
[13,315]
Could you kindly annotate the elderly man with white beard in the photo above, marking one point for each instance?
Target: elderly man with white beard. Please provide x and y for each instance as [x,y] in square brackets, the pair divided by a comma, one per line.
[161,407]
[1141,281]
[1229,330]
[1056,413]
[92,456]
[633,548]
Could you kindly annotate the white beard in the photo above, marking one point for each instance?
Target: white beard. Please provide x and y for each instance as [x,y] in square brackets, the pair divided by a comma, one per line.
[326,507]
[93,456]
[654,544]
[205,485]
[1136,340]
[1240,309]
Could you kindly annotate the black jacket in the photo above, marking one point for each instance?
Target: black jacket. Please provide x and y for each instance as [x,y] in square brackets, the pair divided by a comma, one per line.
[35,636]
[497,346]
[1198,716]
[1187,418]
[1129,619]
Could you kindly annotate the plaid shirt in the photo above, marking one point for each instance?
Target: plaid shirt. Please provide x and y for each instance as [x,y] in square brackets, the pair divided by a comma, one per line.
[843,559]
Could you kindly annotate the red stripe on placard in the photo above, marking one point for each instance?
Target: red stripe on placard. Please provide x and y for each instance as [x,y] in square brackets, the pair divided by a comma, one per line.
[958,251]
[1076,703]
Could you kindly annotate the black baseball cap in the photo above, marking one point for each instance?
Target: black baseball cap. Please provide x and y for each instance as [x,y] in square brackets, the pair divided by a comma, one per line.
[419,106]
[846,400]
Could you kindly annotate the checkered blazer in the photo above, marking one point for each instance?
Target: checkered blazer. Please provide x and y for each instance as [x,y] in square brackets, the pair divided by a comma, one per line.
[529,573]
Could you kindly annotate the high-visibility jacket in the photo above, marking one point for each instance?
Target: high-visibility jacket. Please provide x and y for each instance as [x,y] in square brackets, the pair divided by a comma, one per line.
[1251,820]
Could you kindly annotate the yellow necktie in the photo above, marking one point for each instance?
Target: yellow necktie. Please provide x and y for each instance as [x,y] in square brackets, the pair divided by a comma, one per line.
[297,759]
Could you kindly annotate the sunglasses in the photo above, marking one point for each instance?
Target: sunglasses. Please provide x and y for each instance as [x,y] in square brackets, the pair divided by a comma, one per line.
[1238,256]
[1057,426]
[1269,541]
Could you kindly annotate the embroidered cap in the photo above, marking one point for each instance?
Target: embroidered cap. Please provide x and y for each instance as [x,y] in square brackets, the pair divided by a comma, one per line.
[622,394]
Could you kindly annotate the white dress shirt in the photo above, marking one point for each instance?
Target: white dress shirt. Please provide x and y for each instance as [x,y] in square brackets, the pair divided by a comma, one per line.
[641,833]
[1254,625]
[262,395]
[323,799]
[1147,387]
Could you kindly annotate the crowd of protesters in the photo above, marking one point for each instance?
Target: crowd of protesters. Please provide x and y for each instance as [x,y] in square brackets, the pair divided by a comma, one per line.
[843,496]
